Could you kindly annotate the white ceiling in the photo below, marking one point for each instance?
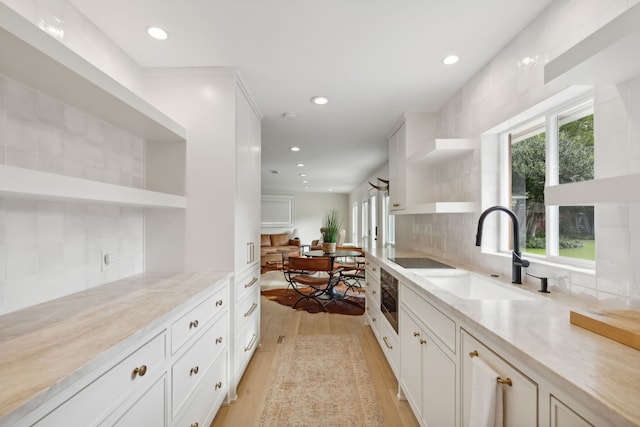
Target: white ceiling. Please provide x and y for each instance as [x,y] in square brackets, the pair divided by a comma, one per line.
[373,59]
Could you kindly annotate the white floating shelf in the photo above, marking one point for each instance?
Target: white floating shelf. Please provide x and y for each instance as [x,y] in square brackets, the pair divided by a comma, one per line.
[438,207]
[31,56]
[440,150]
[35,185]
[608,56]
[618,189]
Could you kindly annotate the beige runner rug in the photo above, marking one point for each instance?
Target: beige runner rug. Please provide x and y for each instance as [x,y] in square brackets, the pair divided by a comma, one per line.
[321,380]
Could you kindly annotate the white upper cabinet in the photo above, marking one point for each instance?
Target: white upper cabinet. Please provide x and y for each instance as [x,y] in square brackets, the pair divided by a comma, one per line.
[608,56]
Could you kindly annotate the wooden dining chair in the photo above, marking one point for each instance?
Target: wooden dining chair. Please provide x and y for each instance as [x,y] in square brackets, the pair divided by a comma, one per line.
[352,271]
[313,279]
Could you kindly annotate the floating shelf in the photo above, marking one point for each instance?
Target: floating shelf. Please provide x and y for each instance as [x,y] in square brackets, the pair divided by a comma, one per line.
[438,207]
[608,56]
[35,185]
[440,150]
[618,189]
[41,62]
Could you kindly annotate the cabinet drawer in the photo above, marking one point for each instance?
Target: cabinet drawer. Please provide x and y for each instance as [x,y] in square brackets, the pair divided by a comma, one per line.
[372,289]
[247,282]
[371,270]
[92,403]
[246,345]
[149,409]
[390,344]
[197,318]
[439,324]
[374,316]
[208,396]
[520,399]
[564,416]
[187,372]
[248,310]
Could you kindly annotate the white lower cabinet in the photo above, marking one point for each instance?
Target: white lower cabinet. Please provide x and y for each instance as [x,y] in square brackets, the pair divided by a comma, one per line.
[390,344]
[427,374]
[246,323]
[148,410]
[520,398]
[564,416]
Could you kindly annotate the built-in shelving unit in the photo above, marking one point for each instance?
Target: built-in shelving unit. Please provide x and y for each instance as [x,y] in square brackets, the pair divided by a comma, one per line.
[32,57]
[440,150]
[608,56]
[618,189]
[439,207]
[36,185]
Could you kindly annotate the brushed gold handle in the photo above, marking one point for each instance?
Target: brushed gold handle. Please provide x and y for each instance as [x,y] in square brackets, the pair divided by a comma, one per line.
[374,292]
[387,343]
[416,334]
[194,370]
[251,283]
[251,343]
[139,371]
[506,381]
[218,340]
[423,341]
[195,425]
[218,303]
[474,353]
[374,269]
[251,310]
[218,385]
[373,318]
[193,324]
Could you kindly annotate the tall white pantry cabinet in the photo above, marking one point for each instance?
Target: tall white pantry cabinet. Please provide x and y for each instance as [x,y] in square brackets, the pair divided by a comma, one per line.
[220,228]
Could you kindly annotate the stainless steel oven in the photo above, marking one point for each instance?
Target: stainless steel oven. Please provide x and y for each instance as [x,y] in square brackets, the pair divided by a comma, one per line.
[389,297]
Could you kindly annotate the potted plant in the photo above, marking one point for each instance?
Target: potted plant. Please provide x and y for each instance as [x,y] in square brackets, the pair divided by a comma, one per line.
[330,230]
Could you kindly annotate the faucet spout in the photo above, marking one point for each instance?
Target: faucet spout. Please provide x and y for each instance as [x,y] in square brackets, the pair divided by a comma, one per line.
[516,257]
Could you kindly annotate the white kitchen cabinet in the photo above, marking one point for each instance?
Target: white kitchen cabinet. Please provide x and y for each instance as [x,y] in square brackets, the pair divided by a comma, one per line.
[427,373]
[390,343]
[246,325]
[397,175]
[564,416]
[149,409]
[520,396]
[372,296]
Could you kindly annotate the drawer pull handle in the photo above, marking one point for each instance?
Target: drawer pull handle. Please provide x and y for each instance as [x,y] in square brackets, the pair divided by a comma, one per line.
[140,371]
[251,343]
[218,340]
[423,341]
[373,292]
[195,425]
[387,343]
[474,353]
[218,385]
[193,324]
[194,371]
[251,283]
[416,334]
[218,303]
[373,318]
[506,381]
[251,310]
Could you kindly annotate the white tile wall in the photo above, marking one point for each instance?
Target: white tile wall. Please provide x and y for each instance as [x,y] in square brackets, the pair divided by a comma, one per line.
[507,86]
[50,249]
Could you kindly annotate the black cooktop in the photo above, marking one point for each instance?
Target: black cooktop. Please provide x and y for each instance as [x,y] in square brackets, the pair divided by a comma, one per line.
[419,263]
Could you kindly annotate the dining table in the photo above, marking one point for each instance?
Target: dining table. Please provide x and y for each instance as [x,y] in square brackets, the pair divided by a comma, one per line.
[343,253]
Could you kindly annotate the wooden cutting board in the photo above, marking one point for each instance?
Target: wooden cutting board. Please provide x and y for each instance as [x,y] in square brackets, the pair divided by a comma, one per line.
[619,325]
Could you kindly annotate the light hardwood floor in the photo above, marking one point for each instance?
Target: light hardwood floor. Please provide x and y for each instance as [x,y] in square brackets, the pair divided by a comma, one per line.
[279,320]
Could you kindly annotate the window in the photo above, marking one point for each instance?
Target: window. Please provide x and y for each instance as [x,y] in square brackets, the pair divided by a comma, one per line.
[374,220]
[388,223]
[354,224]
[556,148]
[365,224]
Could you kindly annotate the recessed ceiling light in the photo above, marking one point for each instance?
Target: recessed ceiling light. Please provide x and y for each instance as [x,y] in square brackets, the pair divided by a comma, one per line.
[319,100]
[289,116]
[274,171]
[157,33]
[305,182]
[331,189]
[300,165]
[302,174]
[306,186]
[294,148]
[450,60]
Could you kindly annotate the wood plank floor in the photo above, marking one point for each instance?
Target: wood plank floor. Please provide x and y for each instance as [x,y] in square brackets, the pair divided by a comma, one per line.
[279,320]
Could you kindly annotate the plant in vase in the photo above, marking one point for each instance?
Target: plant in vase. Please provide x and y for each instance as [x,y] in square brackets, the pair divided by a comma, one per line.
[330,230]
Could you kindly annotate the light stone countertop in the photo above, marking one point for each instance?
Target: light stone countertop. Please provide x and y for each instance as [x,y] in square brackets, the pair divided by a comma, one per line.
[602,374]
[47,347]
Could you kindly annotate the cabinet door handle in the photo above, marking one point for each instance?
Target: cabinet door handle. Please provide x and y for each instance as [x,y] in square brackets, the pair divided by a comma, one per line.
[373,318]
[218,303]
[218,385]
[506,381]
[416,334]
[251,343]
[139,371]
[251,310]
[194,370]
[474,353]
[193,324]
[251,283]
[374,292]
[218,340]
[387,343]
[423,341]
[195,425]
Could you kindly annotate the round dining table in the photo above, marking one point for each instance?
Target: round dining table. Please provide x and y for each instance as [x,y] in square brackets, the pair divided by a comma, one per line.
[333,255]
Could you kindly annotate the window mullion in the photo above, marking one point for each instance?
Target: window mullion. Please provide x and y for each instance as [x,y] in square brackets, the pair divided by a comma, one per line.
[552,172]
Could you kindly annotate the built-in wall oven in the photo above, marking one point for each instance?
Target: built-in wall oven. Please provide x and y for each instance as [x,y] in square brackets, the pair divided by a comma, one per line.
[389,297]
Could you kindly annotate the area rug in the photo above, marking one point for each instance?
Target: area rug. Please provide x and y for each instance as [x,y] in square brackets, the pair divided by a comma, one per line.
[321,380]
[353,305]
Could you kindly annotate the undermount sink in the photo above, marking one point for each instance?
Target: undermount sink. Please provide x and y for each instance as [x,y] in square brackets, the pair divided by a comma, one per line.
[472,286]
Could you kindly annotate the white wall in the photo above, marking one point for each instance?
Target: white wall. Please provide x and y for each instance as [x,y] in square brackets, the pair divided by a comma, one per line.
[504,88]
[309,212]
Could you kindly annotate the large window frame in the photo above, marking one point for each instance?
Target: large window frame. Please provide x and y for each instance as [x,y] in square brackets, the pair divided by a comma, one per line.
[548,122]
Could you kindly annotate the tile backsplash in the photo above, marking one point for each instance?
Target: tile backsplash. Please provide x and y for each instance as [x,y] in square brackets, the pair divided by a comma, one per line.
[51,249]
